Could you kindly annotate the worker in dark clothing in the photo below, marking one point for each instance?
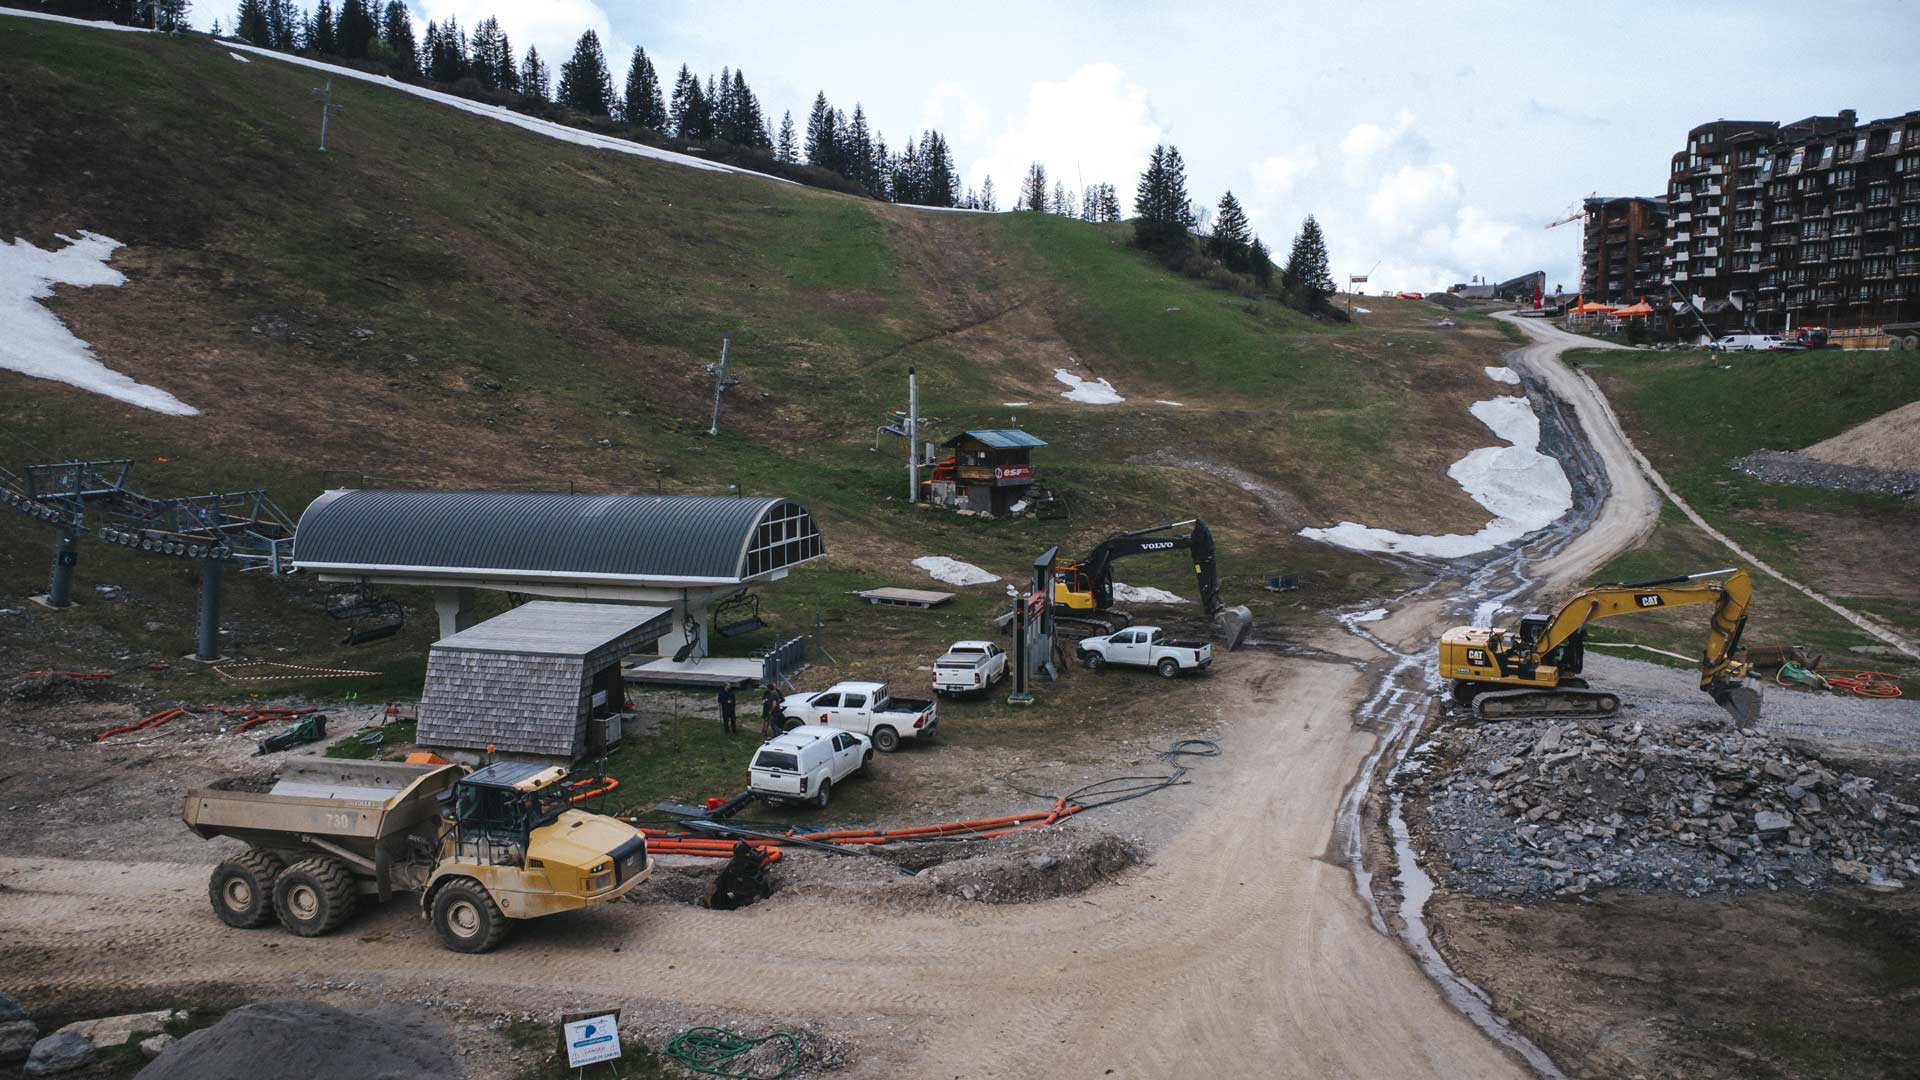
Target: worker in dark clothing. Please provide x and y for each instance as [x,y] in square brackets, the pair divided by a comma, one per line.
[726,709]
[770,703]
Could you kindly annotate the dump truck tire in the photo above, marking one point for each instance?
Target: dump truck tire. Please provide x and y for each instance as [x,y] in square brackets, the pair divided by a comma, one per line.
[314,896]
[241,888]
[466,918]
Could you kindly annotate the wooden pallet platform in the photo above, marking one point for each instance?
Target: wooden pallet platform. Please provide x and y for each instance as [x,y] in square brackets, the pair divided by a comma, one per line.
[914,598]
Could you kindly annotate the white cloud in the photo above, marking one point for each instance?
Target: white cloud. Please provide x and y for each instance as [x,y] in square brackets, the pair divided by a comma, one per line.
[1390,205]
[950,110]
[1093,127]
[552,26]
[1275,177]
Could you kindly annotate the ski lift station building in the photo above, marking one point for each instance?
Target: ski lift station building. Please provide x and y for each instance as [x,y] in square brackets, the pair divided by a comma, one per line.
[681,552]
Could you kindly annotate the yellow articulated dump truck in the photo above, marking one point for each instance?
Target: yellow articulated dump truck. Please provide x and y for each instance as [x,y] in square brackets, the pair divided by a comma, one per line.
[481,847]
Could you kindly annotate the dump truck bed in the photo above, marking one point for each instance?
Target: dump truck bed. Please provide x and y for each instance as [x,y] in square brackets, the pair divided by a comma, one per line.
[342,801]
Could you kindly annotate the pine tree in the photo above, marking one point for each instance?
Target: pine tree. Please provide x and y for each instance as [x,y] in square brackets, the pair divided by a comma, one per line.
[1057,205]
[250,24]
[216,29]
[1162,216]
[682,111]
[1306,280]
[942,179]
[283,23]
[355,34]
[169,15]
[787,151]
[325,38]
[858,164]
[1109,204]
[1259,261]
[1230,234]
[585,84]
[486,43]
[823,143]
[645,108]
[396,29]
[987,200]
[746,124]
[1033,193]
[535,80]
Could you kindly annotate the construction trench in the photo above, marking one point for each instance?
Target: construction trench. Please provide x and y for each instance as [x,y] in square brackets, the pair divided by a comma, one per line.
[1270,915]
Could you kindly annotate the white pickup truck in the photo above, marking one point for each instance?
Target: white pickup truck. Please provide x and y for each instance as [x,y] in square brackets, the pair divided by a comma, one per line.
[865,708]
[803,764]
[969,666]
[1145,646]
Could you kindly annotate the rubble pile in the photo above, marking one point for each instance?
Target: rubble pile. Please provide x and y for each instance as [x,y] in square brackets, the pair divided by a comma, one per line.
[1526,809]
[1789,467]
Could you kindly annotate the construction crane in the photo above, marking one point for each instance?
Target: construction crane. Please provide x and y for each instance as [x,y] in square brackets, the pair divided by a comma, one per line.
[1576,210]
[1533,669]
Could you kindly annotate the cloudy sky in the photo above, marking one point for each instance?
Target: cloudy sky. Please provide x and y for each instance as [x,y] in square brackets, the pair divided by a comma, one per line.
[1433,140]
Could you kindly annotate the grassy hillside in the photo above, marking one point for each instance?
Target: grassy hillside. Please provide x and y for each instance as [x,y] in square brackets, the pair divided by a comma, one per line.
[441,299]
[1691,417]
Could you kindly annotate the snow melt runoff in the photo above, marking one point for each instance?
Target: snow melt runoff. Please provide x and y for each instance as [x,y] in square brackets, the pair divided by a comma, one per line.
[1523,488]
[38,344]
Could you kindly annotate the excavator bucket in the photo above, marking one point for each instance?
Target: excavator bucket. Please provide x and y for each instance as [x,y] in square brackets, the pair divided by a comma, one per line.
[1232,625]
[1742,702]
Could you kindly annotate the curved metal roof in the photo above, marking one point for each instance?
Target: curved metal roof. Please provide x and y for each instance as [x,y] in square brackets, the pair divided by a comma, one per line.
[637,539]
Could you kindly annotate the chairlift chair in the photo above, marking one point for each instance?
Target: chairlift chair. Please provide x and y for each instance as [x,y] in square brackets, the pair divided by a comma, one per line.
[371,616]
[738,615]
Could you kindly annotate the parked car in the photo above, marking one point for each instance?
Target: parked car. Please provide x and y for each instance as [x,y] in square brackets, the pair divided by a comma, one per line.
[969,666]
[803,763]
[1146,646]
[865,708]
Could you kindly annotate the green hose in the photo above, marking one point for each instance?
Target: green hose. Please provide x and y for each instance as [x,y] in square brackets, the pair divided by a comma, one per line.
[711,1050]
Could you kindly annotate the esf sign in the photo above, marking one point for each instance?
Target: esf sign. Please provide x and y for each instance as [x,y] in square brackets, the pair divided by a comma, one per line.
[1013,472]
[591,1039]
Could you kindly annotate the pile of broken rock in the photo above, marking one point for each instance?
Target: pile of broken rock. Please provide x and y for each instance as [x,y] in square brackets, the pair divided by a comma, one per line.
[78,1044]
[1525,809]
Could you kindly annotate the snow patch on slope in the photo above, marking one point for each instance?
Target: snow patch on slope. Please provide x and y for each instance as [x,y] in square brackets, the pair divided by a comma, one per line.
[238,57]
[1525,489]
[37,344]
[1144,594]
[1096,392]
[1504,374]
[953,571]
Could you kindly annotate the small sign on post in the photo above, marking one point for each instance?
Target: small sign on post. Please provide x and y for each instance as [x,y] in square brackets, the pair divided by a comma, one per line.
[590,1038]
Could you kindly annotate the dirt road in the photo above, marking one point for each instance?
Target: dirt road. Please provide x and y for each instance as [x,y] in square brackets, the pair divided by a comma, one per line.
[1243,949]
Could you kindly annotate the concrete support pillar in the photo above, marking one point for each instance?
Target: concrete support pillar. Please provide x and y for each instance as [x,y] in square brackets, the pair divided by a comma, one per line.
[66,552]
[206,645]
[455,607]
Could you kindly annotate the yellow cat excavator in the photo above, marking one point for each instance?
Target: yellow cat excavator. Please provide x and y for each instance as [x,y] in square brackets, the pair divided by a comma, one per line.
[1533,669]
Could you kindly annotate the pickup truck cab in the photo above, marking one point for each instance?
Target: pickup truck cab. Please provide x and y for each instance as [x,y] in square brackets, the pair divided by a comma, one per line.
[1146,646]
[864,708]
[803,763]
[969,666]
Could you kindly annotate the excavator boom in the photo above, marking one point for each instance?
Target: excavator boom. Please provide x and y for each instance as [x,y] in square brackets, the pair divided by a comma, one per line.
[1088,583]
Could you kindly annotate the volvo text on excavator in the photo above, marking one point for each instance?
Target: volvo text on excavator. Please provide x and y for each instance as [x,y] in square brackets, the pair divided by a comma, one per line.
[1533,669]
[1087,584]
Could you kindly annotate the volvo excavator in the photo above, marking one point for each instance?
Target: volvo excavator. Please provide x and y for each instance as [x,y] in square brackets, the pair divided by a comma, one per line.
[1087,584]
[1534,669]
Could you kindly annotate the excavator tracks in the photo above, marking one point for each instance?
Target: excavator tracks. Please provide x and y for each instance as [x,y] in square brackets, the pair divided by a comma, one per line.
[1518,704]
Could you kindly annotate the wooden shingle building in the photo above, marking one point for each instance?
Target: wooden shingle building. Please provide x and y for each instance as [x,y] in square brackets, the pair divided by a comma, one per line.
[990,471]
[533,680]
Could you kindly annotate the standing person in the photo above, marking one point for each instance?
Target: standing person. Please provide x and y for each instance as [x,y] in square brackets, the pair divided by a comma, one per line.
[726,709]
[770,704]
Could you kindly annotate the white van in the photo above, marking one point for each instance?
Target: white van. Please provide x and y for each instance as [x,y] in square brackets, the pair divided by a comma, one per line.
[1752,343]
[804,763]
